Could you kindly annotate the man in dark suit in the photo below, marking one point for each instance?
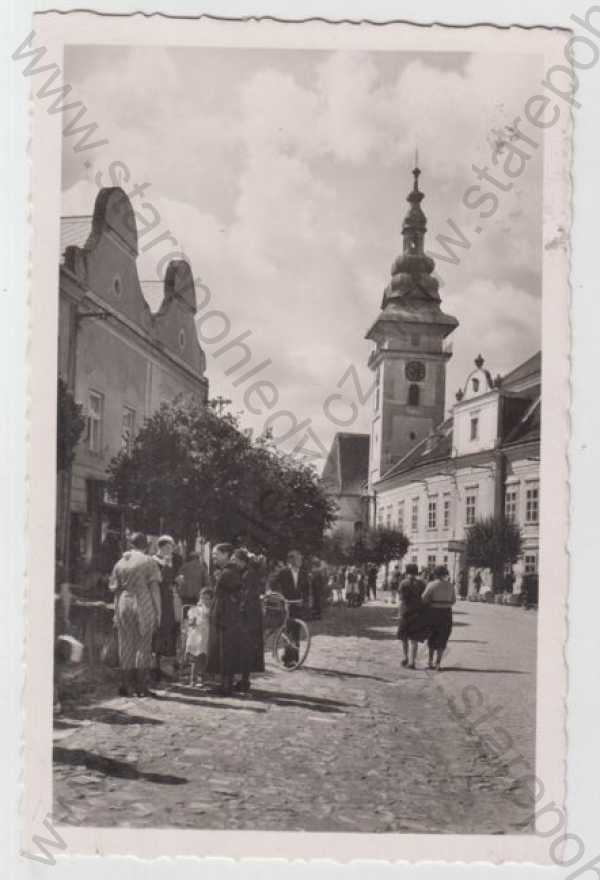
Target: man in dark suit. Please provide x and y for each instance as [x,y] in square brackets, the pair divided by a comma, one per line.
[293,583]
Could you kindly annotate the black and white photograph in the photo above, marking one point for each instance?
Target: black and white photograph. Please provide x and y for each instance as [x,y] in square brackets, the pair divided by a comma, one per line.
[305,363]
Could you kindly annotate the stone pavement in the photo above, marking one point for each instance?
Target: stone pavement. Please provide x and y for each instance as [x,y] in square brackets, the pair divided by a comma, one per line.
[350,742]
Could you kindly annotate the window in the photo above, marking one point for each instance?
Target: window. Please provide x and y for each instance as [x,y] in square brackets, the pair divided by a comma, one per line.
[475,383]
[474,427]
[127,429]
[530,563]
[181,339]
[415,340]
[510,504]
[401,516]
[116,285]
[532,504]
[414,515]
[470,509]
[388,517]
[96,412]
[380,517]
[414,394]
[431,560]
[414,559]
[445,560]
[432,514]
[446,512]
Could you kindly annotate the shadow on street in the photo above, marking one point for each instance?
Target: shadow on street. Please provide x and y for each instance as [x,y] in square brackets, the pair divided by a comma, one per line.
[111,767]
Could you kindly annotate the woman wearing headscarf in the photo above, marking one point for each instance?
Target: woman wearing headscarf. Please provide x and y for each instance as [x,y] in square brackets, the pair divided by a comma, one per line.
[439,596]
[412,623]
[164,643]
[135,581]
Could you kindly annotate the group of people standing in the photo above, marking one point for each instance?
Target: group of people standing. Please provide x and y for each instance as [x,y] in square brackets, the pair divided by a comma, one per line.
[354,583]
[425,614]
[224,641]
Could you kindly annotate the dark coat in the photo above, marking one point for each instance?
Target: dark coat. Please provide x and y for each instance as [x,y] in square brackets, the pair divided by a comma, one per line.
[284,584]
[413,620]
[225,639]
[253,649]
[164,640]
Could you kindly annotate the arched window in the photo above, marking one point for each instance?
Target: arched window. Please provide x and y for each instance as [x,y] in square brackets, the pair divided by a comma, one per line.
[414,394]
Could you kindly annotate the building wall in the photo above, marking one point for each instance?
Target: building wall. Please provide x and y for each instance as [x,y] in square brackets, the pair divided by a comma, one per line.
[127,361]
[351,510]
[398,426]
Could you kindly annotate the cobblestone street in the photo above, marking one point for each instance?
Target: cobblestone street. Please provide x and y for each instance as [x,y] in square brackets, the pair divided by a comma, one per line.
[351,742]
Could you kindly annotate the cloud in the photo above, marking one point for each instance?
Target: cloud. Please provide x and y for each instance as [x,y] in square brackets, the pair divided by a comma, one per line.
[283,176]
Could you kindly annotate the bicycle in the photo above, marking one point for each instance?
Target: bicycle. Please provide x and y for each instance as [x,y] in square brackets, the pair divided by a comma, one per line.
[290,635]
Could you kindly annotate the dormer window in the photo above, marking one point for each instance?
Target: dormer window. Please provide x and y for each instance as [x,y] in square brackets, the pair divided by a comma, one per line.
[414,394]
[475,383]
[474,427]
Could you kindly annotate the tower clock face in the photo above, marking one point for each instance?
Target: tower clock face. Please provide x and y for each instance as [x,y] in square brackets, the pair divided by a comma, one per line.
[415,371]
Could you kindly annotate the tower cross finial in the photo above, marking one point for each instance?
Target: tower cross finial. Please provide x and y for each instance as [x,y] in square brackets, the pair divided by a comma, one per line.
[416,157]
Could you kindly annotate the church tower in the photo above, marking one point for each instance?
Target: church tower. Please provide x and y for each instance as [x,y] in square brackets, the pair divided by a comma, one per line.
[409,358]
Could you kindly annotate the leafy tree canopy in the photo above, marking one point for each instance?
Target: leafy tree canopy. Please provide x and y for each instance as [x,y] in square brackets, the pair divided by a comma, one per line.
[493,542]
[379,545]
[71,424]
[386,544]
[193,469]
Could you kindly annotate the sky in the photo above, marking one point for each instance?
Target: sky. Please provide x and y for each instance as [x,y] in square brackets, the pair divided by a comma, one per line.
[283,174]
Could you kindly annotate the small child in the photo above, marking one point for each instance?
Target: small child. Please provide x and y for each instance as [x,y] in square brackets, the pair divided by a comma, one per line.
[196,645]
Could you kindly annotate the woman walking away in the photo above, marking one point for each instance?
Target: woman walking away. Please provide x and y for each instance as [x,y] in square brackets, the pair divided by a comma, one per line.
[135,579]
[412,620]
[252,644]
[165,639]
[440,596]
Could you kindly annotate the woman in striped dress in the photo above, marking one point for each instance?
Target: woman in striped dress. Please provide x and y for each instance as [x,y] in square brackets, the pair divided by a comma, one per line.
[135,580]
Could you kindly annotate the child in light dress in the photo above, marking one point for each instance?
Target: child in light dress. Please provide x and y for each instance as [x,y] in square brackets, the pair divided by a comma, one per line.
[196,646]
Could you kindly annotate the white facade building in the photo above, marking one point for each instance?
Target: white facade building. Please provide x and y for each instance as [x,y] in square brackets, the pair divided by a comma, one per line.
[431,477]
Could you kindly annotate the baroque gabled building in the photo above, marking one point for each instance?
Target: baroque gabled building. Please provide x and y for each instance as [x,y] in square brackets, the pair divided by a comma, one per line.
[119,359]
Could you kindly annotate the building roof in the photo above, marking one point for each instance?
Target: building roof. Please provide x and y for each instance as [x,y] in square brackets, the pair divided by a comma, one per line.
[521,420]
[347,467]
[74,230]
[527,373]
[528,429]
[437,446]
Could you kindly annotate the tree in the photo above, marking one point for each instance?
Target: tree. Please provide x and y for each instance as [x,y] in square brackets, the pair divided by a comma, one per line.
[493,542]
[191,469]
[337,548]
[383,544]
[71,424]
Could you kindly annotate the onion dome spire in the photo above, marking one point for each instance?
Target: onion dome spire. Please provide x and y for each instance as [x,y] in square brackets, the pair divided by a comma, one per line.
[413,268]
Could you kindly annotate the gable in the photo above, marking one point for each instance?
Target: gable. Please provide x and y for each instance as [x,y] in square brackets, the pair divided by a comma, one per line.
[174,323]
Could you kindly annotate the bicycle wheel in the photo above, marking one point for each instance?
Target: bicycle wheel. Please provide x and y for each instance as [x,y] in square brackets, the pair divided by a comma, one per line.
[291,644]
